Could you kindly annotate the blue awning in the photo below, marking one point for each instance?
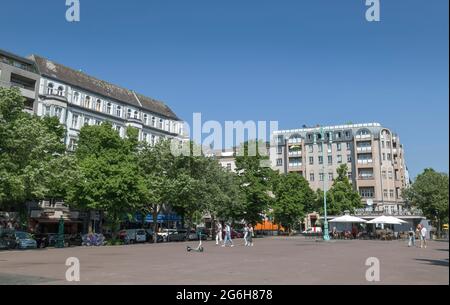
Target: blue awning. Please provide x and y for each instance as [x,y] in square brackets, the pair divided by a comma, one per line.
[161,217]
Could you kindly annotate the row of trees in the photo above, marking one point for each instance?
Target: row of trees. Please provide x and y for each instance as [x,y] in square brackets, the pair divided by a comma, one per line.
[122,176]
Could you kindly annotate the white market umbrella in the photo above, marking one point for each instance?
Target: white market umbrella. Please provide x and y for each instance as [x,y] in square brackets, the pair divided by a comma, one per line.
[386,220]
[401,221]
[347,219]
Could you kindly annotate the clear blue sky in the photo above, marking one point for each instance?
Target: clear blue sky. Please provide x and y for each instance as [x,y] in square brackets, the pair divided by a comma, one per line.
[298,62]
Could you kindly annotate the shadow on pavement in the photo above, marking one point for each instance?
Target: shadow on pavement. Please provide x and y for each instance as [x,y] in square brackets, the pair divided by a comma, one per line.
[436,262]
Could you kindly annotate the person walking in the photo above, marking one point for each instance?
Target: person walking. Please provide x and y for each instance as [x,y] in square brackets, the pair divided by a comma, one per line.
[246,235]
[423,237]
[250,235]
[219,232]
[412,238]
[227,236]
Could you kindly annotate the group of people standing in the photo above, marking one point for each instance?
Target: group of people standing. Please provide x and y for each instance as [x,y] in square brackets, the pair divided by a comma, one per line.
[421,231]
[220,230]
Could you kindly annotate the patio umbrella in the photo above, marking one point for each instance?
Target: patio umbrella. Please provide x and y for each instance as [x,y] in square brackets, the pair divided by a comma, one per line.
[397,219]
[348,219]
[386,220]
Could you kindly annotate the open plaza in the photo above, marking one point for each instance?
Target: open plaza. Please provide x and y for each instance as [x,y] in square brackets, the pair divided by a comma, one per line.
[272,261]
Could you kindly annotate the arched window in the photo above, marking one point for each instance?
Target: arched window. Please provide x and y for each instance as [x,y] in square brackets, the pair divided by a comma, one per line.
[153,121]
[87,102]
[119,111]
[50,88]
[161,123]
[129,113]
[98,105]
[76,97]
[136,114]
[60,90]
[109,108]
[145,119]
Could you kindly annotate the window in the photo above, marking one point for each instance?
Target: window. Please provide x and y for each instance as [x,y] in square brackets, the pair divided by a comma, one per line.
[119,111]
[329,148]
[320,160]
[339,159]
[129,113]
[311,160]
[391,194]
[58,112]
[339,146]
[349,176]
[152,140]
[348,146]
[160,123]
[349,158]
[320,148]
[86,121]
[383,174]
[389,157]
[72,144]
[321,176]
[330,160]
[229,167]
[75,121]
[382,144]
[367,192]
[87,102]
[280,139]
[145,119]
[330,177]
[280,150]
[119,129]
[47,110]
[279,162]
[347,134]
[311,176]
[144,137]
[98,122]
[384,156]
[98,105]
[76,98]
[390,174]
[338,135]
[136,114]
[310,148]
[388,144]
[50,88]
[108,108]
[385,193]
[60,91]
[153,121]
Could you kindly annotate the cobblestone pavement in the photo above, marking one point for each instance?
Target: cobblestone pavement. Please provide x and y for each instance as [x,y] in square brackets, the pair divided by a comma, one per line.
[273,260]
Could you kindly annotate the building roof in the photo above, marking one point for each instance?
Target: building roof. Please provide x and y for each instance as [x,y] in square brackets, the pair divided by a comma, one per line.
[79,79]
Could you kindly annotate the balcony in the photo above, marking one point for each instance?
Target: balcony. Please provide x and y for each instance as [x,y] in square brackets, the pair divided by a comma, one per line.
[295,153]
[363,149]
[366,177]
[365,161]
[363,137]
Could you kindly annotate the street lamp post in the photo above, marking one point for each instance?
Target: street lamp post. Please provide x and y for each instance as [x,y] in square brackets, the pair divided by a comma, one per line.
[326,235]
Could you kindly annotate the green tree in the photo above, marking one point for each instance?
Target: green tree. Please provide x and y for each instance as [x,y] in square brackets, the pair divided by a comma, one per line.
[341,196]
[29,147]
[429,192]
[255,180]
[292,195]
[108,173]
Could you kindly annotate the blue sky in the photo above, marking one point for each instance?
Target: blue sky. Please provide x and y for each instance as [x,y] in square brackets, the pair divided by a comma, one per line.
[298,62]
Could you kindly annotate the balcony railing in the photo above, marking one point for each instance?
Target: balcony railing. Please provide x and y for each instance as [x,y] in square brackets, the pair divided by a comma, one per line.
[364,149]
[366,177]
[295,153]
[366,161]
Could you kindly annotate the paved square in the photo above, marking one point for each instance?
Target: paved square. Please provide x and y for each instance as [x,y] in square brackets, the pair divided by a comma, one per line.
[273,260]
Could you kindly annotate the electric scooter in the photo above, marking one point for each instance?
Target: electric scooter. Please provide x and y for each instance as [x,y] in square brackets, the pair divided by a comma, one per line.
[199,247]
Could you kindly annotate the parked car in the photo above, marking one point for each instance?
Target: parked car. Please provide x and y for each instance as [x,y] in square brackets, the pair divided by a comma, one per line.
[25,240]
[7,239]
[178,235]
[165,233]
[132,236]
[193,235]
[150,237]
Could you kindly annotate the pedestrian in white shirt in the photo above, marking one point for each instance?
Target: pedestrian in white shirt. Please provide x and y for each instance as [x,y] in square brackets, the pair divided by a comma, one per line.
[219,233]
[423,237]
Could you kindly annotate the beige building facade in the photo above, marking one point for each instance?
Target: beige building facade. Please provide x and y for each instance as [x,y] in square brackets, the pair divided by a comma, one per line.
[373,154]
